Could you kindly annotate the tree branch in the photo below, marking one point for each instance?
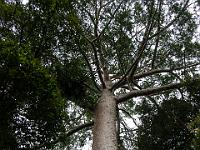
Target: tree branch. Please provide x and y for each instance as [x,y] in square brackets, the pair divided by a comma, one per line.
[133,66]
[149,97]
[154,71]
[78,128]
[141,49]
[108,23]
[97,62]
[129,115]
[158,36]
[69,133]
[149,91]
[149,73]
[89,66]
[144,41]
[171,23]
[90,15]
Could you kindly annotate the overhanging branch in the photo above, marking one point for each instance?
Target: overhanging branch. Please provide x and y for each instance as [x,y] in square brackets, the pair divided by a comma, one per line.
[69,133]
[155,71]
[149,91]
[78,128]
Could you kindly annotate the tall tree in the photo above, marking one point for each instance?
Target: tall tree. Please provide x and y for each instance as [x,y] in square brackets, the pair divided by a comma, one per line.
[32,95]
[126,51]
[134,49]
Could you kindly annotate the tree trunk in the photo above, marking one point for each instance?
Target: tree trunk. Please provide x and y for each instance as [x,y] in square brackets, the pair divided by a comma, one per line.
[104,131]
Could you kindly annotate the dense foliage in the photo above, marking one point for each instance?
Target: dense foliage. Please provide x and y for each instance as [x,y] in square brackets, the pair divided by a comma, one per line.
[31,103]
[34,84]
[54,55]
[167,128]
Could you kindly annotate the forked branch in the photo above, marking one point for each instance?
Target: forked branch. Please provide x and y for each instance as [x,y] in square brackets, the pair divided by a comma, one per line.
[130,72]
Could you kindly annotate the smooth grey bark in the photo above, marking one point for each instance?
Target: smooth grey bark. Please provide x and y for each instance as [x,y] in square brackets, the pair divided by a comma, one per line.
[104,131]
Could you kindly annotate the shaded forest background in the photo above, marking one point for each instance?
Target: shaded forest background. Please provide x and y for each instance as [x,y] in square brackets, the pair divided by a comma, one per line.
[47,90]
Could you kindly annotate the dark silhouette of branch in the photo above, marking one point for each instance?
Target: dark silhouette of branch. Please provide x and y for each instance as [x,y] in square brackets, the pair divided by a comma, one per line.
[158,36]
[78,128]
[97,62]
[128,114]
[89,66]
[69,133]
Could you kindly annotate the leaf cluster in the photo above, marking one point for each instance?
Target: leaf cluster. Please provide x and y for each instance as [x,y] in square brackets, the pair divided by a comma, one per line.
[30,102]
[167,127]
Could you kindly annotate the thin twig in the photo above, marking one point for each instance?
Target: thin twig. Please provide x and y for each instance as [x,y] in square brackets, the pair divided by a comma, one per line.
[127,113]
[155,71]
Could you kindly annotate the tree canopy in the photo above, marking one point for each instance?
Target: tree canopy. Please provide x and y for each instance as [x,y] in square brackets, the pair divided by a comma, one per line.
[58,56]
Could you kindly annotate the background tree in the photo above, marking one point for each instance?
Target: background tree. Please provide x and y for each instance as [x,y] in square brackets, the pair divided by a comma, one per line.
[166,128]
[170,125]
[32,94]
[111,55]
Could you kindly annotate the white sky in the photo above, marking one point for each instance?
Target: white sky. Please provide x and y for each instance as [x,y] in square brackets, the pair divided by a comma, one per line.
[25,1]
